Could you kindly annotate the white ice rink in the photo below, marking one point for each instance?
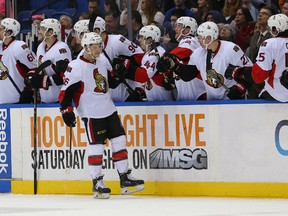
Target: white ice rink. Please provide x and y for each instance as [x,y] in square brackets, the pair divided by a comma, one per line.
[69,205]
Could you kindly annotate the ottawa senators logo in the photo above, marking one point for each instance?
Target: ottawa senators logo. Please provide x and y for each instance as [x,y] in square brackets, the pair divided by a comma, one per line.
[3,71]
[100,81]
[212,81]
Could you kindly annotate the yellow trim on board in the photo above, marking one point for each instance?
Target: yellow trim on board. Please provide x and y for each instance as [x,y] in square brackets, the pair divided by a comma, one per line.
[220,189]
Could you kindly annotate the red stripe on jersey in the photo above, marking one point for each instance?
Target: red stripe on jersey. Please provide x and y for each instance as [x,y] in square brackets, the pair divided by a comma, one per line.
[120,155]
[138,57]
[77,94]
[158,79]
[181,52]
[272,74]
[95,160]
[93,140]
[141,75]
[258,74]
[61,96]
[22,69]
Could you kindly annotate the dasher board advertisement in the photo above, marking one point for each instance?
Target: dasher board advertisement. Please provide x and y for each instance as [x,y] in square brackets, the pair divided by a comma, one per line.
[180,143]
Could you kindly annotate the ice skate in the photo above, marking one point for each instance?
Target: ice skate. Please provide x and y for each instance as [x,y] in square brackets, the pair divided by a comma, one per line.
[129,184]
[101,191]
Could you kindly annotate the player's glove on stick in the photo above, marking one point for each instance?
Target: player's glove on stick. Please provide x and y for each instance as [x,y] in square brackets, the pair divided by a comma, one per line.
[237,91]
[37,81]
[284,79]
[61,66]
[120,67]
[68,116]
[233,72]
[169,83]
[165,63]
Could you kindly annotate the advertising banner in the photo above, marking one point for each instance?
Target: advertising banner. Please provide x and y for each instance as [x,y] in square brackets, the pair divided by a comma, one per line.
[5,151]
[179,143]
[159,139]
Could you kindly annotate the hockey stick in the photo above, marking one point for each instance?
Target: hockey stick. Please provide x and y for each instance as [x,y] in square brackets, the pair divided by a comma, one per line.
[126,85]
[5,70]
[70,148]
[38,70]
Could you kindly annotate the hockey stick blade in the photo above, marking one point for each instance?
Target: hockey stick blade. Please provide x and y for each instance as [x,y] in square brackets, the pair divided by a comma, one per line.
[210,73]
[43,66]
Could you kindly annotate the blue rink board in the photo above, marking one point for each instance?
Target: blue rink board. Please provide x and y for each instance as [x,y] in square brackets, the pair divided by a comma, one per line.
[160,103]
[5,186]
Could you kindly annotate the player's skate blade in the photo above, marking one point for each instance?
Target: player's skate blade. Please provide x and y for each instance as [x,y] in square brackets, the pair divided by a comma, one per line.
[101,191]
[101,195]
[131,190]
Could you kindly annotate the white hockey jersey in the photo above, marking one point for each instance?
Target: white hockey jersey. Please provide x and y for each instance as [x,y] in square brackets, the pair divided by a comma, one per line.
[153,83]
[93,100]
[193,89]
[227,53]
[13,59]
[114,46]
[271,61]
[58,51]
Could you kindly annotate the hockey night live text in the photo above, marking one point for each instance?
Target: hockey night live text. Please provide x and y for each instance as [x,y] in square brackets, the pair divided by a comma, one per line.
[167,150]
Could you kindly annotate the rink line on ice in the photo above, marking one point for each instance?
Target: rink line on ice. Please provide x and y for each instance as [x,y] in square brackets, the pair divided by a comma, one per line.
[214,189]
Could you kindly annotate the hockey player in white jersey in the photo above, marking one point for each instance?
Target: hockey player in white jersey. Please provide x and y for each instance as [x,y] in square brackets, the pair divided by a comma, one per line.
[146,73]
[16,60]
[186,28]
[115,46]
[271,63]
[211,60]
[86,83]
[80,28]
[50,82]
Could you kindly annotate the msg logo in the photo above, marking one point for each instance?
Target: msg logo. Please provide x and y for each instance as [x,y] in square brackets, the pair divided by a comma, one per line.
[178,159]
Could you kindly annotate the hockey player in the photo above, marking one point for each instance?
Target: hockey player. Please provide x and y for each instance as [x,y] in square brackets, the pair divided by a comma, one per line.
[149,37]
[86,82]
[16,59]
[211,61]
[79,28]
[186,28]
[271,63]
[50,82]
[115,46]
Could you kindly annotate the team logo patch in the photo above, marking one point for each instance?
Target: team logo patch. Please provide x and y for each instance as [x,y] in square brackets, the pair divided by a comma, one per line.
[63,50]
[122,39]
[3,71]
[236,48]
[263,44]
[24,46]
[100,81]
[213,82]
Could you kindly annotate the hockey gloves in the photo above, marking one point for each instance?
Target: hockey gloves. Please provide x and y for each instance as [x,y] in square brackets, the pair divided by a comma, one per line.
[37,81]
[26,96]
[233,72]
[284,79]
[120,67]
[61,66]
[167,62]
[169,83]
[68,116]
[237,91]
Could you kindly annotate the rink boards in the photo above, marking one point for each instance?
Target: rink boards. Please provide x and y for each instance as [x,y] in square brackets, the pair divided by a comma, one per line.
[218,148]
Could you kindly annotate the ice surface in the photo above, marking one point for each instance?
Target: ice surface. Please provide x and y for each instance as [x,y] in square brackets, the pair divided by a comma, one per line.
[70,205]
